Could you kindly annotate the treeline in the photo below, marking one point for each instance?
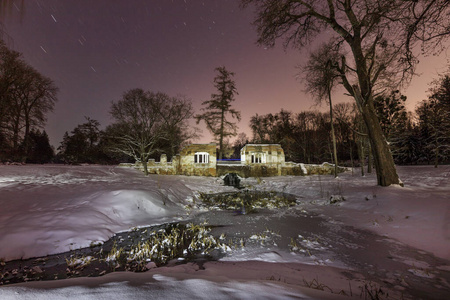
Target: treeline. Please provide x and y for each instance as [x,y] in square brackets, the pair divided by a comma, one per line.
[422,137]
[26,97]
[147,124]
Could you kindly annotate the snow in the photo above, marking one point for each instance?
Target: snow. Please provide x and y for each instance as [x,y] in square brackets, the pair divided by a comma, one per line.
[49,209]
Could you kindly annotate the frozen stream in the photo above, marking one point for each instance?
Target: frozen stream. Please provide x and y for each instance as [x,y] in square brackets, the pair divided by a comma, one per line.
[299,237]
[321,241]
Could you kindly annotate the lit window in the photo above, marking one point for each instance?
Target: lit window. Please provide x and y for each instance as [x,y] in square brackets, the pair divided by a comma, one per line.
[201,157]
[258,158]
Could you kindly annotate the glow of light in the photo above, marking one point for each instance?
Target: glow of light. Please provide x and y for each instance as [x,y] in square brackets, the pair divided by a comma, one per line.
[53,18]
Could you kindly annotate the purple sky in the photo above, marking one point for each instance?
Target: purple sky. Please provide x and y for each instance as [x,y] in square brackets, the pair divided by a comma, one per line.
[95,50]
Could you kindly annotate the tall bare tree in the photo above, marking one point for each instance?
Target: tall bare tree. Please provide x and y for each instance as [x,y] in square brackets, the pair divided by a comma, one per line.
[321,77]
[379,37]
[218,108]
[26,96]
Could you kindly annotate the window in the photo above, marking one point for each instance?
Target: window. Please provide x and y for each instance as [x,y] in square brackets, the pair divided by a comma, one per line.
[201,157]
[258,158]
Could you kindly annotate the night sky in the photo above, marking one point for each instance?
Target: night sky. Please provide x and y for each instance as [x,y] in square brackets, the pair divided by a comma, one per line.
[95,50]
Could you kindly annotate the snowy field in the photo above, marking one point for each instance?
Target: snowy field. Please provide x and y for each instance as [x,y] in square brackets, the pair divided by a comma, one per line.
[393,238]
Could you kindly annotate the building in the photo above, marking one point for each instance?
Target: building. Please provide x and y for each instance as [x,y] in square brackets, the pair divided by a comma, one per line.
[262,154]
[257,160]
[198,160]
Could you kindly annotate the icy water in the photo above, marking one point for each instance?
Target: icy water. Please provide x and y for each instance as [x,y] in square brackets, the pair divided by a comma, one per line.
[282,235]
[314,240]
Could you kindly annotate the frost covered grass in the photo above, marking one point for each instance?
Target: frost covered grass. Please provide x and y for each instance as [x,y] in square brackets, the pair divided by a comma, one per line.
[137,250]
[79,262]
[247,201]
[176,241]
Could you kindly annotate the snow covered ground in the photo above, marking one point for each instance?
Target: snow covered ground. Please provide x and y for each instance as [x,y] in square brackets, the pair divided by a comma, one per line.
[393,238]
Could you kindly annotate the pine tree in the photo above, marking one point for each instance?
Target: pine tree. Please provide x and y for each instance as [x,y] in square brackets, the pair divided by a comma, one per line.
[219,107]
[434,121]
[40,151]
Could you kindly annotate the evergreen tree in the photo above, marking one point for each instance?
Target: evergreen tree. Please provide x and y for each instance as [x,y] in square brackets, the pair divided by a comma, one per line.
[40,151]
[392,113]
[218,108]
[81,145]
[434,121]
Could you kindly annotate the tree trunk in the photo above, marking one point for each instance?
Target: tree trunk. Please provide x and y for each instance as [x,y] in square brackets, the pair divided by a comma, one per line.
[369,160]
[330,151]
[436,156]
[221,136]
[361,155]
[383,160]
[333,136]
[26,137]
[144,162]
[16,131]
[351,155]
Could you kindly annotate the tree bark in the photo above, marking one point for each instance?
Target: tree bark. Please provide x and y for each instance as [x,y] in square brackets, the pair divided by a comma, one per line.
[383,160]
[221,135]
[436,155]
[351,155]
[333,136]
[361,154]
[26,137]
[369,160]
[363,94]
[144,162]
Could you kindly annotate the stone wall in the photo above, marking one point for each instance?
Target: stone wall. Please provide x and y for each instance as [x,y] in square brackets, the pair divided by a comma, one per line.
[323,169]
[200,160]
[162,167]
[299,169]
[253,170]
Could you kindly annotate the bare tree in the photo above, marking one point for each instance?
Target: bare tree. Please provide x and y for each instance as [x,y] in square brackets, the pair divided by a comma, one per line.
[26,96]
[9,65]
[240,141]
[216,110]
[321,77]
[176,111]
[37,96]
[144,120]
[379,37]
